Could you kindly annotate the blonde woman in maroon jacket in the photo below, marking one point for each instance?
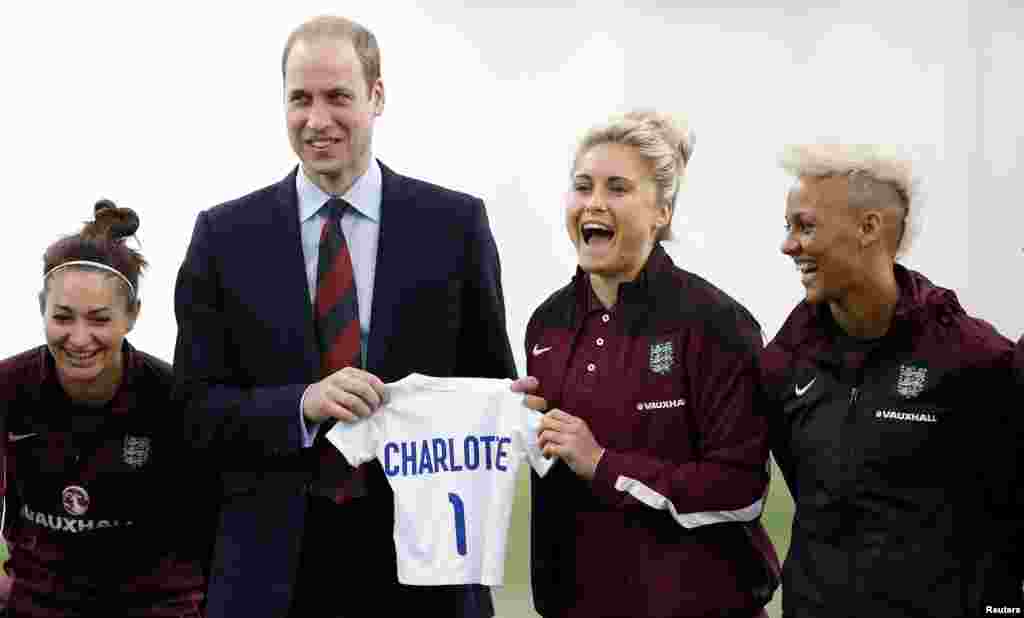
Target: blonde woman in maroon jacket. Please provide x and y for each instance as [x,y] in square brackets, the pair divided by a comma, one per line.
[649,375]
[891,409]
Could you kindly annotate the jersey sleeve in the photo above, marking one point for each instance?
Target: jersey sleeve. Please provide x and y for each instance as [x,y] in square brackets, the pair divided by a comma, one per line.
[356,441]
[526,436]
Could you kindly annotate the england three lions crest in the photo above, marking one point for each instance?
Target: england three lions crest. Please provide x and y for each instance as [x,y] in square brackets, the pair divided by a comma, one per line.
[911,380]
[662,357]
[136,451]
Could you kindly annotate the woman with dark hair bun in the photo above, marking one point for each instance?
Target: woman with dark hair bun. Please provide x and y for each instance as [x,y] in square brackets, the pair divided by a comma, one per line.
[92,450]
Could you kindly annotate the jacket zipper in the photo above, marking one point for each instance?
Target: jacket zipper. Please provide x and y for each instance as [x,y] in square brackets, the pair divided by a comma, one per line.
[848,441]
[851,420]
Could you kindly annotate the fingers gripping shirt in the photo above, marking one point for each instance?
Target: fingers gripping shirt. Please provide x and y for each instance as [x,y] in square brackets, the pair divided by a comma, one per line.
[450,448]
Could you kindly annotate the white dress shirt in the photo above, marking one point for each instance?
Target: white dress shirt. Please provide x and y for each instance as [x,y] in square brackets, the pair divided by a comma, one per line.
[361,227]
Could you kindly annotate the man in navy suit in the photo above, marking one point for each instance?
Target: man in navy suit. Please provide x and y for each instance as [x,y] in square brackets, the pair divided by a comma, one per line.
[247,361]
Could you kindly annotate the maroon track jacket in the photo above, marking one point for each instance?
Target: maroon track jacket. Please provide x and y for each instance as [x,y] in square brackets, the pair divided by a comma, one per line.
[667,381]
[901,459]
[103,514]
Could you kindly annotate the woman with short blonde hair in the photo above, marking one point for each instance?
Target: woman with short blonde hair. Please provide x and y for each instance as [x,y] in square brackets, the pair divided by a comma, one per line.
[648,376]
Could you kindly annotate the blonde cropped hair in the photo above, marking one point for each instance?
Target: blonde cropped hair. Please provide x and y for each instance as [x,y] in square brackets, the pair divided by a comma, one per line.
[879,176]
[665,141]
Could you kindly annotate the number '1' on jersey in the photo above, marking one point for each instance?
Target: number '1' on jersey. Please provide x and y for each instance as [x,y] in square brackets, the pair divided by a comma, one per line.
[451,448]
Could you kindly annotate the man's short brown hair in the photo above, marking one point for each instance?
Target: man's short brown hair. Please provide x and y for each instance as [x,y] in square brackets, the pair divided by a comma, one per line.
[341,29]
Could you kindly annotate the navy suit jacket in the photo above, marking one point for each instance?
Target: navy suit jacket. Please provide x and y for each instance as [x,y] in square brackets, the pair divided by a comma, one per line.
[246,351]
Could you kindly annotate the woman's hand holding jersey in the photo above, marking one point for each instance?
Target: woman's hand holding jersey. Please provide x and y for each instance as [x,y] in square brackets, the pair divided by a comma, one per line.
[569,438]
[530,385]
[561,434]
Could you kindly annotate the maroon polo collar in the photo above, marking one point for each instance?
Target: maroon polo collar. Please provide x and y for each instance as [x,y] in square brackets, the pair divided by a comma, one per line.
[630,292]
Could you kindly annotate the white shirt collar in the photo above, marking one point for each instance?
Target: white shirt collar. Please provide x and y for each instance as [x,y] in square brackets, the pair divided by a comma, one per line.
[364,195]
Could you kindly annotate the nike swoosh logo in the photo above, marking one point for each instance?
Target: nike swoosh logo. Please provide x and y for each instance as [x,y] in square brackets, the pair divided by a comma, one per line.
[20,436]
[800,391]
[538,351]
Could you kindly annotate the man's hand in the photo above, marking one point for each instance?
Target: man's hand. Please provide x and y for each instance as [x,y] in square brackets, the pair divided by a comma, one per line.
[567,437]
[347,395]
[530,385]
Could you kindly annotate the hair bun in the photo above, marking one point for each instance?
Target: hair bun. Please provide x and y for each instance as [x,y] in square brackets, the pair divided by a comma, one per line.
[674,129]
[102,205]
[111,221]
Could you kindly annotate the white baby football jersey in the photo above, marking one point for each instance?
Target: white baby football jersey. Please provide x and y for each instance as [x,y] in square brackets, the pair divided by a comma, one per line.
[450,448]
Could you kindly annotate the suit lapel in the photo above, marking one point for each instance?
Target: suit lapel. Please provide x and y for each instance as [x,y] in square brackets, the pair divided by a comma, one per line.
[286,252]
[392,265]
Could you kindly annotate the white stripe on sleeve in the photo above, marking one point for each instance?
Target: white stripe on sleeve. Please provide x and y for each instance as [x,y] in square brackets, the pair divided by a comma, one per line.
[653,499]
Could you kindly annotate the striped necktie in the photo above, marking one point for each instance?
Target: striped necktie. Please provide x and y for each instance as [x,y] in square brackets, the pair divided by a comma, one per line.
[337,309]
[337,329]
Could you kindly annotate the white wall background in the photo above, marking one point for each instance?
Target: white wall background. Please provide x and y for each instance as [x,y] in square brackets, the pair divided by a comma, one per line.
[171,108]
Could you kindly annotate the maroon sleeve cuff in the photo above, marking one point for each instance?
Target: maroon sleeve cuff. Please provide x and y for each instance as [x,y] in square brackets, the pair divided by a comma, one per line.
[609,469]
